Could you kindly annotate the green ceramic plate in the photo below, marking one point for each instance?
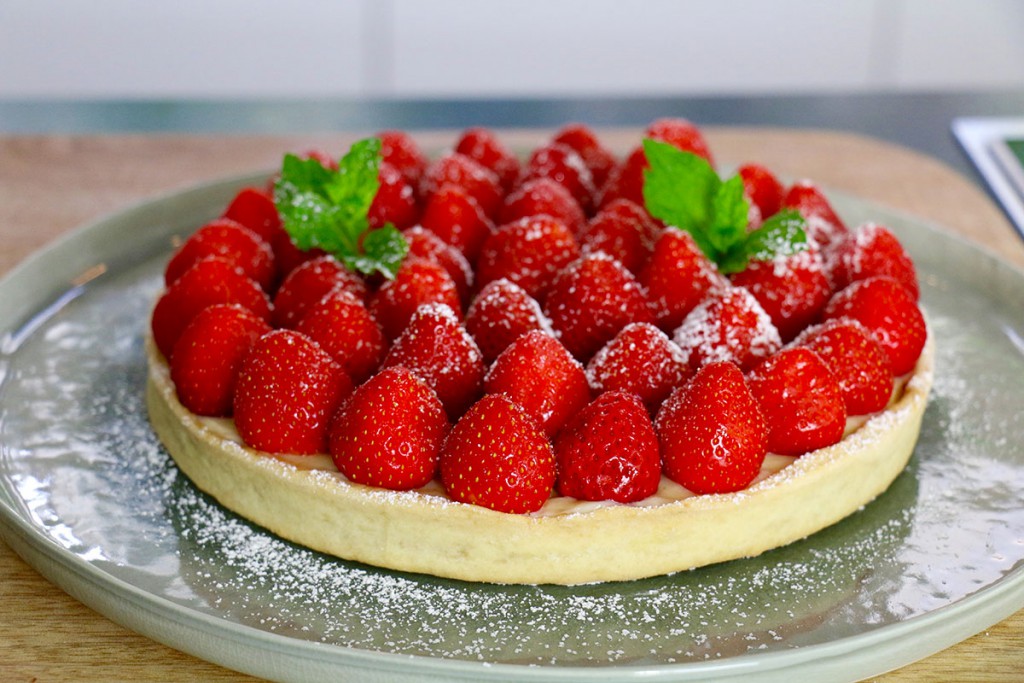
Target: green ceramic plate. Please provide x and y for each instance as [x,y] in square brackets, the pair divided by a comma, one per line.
[90,499]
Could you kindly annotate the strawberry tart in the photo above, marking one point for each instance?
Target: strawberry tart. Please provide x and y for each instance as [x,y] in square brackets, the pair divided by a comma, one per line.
[567,367]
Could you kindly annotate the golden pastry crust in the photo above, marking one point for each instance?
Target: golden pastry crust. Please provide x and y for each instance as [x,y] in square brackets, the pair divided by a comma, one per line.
[305,500]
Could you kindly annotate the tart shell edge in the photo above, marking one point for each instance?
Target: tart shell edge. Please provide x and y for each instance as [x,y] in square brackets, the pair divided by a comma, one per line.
[426,533]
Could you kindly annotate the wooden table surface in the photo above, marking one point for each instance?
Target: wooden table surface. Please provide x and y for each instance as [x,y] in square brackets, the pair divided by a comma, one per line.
[51,184]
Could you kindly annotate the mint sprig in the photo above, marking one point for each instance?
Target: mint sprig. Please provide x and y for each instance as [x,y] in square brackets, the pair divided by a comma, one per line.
[683,190]
[327,209]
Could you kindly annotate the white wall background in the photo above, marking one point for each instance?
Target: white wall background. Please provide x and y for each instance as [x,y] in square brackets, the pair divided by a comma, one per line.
[465,48]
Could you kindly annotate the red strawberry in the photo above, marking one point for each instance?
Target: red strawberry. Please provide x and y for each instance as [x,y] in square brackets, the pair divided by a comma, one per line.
[210,281]
[530,252]
[823,224]
[255,209]
[889,313]
[417,282]
[728,326]
[762,188]
[389,433]
[791,289]
[538,373]
[288,390]
[563,165]
[287,256]
[344,328]
[591,301]
[438,349]
[626,180]
[677,277]
[424,244]
[609,451]
[626,211]
[871,250]
[497,457]
[208,354]
[310,282]
[681,134]
[623,231]
[395,201]
[857,361]
[582,139]
[711,431]
[398,149]
[640,359]
[500,314]
[456,218]
[231,241]
[484,147]
[539,196]
[457,169]
[801,401]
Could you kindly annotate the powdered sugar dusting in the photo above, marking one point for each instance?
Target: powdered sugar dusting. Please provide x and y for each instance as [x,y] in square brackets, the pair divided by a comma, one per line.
[706,337]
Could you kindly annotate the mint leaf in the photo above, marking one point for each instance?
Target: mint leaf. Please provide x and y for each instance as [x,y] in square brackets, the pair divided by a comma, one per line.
[383,250]
[678,189]
[729,215]
[780,235]
[327,209]
[683,190]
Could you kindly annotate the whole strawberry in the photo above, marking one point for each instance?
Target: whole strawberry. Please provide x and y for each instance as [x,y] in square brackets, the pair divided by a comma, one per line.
[889,313]
[456,218]
[426,245]
[389,432]
[597,158]
[395,201]
[438,349]
[500,314]
[730,325]
[640,359]
[792,289]
[871,249]
[254,208]
[543,196]
[398,149]
[623,231]
[824,226]
[762,188]
[564,165]
[681,134]
[209,281]
[529,252]
[609,451]
[479,182]
[418,282]
[309,282]
[484,147]
[208,355]
[497,457]
[344,328]
[712,434]
[857,361]
[231,241]
[677,277]
[591,300]
[288,390]
[801,401]
[539,374]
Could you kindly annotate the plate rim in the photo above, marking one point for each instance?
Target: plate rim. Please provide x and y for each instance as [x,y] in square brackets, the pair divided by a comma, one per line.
[956,621]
